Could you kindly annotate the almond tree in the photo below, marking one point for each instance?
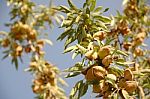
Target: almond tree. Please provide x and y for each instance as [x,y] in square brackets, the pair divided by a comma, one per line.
[115,59]
[28,21]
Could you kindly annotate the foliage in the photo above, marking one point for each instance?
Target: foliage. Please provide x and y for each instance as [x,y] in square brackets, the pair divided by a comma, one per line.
[26,37]
[112,49]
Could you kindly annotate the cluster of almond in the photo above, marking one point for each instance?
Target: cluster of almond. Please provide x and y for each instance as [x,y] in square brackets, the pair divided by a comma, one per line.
[127,81]
[131,44]
[131,9]
[45,82]
[99,75]
[101,54]
[23,39]
[20,31]
[18,49]
[99,71]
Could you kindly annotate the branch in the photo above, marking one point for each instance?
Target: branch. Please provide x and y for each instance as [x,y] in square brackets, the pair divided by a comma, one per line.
[141,92]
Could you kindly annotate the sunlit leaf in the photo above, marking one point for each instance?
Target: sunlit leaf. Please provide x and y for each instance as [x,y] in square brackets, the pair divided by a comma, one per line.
[115,70]
[75,89]
[93,4]
[103,18]
[121,52]
[124,2]
[81,48]
[69,41]
[71,48]
[74,55]
[72,74]
[76,67]
[98,9]
[48,41]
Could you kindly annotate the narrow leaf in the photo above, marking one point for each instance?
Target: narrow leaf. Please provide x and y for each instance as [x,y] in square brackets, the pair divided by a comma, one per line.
[71,48]
[98,9]
[82,90]
[64,34]
[72,74]
[76,67]
[93,4]
[74,55]
[64,9]
[106,10]
[72,5]
[103,18]
[81,48]
[69,41]
[121,52]
[48,41]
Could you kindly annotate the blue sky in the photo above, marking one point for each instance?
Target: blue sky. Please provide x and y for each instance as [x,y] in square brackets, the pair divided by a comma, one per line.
[17,84]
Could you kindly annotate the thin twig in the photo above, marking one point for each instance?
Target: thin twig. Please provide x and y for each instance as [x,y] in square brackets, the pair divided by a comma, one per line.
[141,92]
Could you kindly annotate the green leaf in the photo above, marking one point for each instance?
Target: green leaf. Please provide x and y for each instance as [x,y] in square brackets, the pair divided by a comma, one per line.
[75,89]
[87,11]
[115,70]
[108,41]
[82,90]
[83,32]
[64,34]
[5,56]
[93,4]
[76,67]
[102,25]
[72,74]
[15,61]
[110,81]
[81,48]
[64,9]
[74,54]
[66,23]
[98,9]
[121,52]
[103,18]
[88,2]
[71,48]
[146,85]
[69,41]
[73,92]
[78,18]
[72,5]
[106,10]
[118,14]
